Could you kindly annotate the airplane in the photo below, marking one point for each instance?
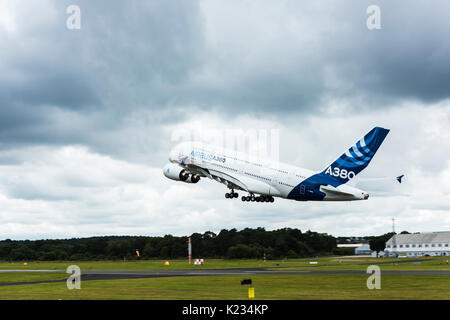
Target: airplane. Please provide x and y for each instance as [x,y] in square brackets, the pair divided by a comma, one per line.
[264,179]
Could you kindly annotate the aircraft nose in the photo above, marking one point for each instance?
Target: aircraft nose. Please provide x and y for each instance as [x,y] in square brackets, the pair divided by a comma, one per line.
[366,196]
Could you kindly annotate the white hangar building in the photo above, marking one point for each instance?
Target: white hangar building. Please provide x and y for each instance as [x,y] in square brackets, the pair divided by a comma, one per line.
[419,244]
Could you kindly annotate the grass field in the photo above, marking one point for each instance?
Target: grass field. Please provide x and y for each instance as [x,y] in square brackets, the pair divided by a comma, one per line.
[29,277]
[228,287]
[304,286]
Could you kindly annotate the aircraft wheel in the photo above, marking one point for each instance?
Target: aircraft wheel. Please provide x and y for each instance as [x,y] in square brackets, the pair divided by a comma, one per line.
[244,198]
[272,199]
[227,195]
[235,194]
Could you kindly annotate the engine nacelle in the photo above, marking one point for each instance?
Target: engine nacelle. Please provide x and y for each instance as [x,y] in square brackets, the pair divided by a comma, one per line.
[194,178]
[177,173]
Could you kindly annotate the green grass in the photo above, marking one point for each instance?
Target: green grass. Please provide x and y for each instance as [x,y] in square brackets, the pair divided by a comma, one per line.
[143,265]
[286,287]
[30,277]
[304,286]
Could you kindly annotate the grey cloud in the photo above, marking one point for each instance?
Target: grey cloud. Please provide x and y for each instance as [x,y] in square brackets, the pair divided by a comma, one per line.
[125,58]
[404,60]
[158,57]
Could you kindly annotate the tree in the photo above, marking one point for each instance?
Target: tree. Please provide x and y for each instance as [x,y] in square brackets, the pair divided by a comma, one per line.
[96,245]
[149,251]
[164,253]
[241,251]
[379,243]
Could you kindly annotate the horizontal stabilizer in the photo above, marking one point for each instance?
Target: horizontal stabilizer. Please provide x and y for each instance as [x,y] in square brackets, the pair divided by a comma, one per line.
[335,191]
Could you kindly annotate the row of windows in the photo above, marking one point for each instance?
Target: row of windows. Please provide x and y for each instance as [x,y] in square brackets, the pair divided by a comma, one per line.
[247,173]
[232,169]
[424,253]
[248,162]
[426,245]
[285,184]
[225,167]
[256,176]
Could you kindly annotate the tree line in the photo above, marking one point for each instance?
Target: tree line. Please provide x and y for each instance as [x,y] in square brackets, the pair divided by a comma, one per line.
[231,244]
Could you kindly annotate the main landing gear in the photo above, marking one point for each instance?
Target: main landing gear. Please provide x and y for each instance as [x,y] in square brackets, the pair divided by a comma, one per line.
[251,197]
[231,195]
[261,198]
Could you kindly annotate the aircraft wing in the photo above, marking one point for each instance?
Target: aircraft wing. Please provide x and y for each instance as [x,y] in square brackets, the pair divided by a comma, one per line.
[197,170]
[229,181]
[218,176]
[236,181]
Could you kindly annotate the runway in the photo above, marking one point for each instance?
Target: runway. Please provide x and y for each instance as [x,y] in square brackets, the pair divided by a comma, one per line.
[123,274]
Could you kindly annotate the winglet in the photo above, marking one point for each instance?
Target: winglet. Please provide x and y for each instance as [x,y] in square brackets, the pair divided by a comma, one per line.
[399,178]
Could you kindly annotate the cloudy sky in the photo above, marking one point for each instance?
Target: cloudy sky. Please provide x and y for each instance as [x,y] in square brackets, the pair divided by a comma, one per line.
[88,116]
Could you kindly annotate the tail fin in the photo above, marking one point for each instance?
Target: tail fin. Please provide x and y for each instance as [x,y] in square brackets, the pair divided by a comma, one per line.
[356,159]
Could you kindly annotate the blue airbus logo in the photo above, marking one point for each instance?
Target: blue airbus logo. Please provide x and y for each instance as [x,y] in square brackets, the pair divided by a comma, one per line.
[207,156]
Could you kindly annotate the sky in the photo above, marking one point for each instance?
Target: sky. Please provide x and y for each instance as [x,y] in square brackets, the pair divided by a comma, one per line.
[88,115]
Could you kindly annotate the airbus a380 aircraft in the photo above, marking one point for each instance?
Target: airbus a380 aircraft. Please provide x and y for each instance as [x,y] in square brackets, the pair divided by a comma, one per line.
[264,180]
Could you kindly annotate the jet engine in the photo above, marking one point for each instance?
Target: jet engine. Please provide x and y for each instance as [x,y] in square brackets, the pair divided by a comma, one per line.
[177,173]
[194,178]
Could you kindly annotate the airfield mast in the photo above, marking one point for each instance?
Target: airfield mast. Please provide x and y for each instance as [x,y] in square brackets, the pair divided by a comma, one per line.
[394,240]
[190,250]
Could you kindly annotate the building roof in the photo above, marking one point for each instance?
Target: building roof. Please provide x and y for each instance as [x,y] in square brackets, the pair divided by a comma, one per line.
[350,245]
[434,237]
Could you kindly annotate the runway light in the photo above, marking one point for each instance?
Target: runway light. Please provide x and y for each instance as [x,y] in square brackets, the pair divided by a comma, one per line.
[166,263]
